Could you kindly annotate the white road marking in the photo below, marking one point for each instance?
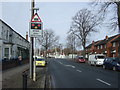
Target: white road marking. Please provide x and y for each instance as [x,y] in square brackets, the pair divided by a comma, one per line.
[78,70]
[67,65]
[70,66]
[60,62]
[103,82]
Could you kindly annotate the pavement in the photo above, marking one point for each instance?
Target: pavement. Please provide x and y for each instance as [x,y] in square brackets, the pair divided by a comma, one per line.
[12,78]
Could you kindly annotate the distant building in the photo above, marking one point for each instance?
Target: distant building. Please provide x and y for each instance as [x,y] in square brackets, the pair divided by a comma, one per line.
[12,44]
[109,46]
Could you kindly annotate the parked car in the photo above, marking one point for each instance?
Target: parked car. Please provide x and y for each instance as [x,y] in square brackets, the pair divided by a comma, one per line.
[96,59]
[80,59]
[112,63]
[41,62]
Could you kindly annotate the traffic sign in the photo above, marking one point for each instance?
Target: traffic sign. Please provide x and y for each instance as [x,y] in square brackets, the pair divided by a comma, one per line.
[36,29]
[36,26]
[36,18]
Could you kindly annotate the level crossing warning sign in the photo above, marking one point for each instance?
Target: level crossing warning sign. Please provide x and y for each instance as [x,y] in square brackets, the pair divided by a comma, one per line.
[36,26]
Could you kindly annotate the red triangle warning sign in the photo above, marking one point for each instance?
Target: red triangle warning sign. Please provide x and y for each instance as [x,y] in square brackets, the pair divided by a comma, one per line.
[36,18]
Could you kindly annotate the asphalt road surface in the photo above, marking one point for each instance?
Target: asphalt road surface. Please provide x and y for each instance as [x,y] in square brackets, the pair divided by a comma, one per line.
[69,74]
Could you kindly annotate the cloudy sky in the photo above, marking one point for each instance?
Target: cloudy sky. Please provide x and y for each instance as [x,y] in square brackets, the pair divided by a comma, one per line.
[55,15]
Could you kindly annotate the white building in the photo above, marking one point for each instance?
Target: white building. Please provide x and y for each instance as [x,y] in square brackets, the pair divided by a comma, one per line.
[12,44]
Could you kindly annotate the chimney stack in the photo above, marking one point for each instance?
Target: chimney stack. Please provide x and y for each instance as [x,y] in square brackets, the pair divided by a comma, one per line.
[106,37]
[26,35]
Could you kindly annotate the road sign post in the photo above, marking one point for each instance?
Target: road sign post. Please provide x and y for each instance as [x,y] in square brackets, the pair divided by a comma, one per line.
[31,42]
[36,27]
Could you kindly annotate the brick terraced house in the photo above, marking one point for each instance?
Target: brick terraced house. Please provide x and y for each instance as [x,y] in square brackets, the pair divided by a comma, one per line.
[110,47]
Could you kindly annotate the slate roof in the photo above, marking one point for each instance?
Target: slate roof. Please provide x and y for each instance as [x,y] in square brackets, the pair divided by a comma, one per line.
[117,39]
[89,46]
[14,30]
[106,41]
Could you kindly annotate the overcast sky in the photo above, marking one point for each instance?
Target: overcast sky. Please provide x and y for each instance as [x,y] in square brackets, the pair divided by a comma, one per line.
[55,15]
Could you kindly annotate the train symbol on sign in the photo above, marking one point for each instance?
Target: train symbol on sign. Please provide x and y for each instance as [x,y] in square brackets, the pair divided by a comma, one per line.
[36,18]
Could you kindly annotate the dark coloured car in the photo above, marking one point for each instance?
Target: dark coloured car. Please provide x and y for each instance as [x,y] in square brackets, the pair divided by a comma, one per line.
[80,59]
[112,63]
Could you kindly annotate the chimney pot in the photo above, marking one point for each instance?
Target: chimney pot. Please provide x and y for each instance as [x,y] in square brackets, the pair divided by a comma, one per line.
[26,35]
[106,37]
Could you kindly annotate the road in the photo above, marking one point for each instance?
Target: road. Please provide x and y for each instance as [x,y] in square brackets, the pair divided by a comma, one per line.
[69,74]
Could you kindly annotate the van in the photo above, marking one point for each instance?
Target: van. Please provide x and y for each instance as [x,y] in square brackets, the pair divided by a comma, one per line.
[96,59]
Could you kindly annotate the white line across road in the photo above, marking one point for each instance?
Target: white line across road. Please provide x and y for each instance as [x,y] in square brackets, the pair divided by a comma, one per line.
[67,65]
[60,62]
[103,81]
[70,66]
[78,70]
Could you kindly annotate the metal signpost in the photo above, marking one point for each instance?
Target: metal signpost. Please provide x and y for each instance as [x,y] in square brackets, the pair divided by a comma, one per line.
[36,27]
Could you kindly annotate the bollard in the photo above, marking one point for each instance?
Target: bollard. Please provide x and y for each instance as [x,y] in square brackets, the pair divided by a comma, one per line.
[24,80]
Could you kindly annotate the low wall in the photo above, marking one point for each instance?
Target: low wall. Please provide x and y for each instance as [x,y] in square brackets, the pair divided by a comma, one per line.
[12,63]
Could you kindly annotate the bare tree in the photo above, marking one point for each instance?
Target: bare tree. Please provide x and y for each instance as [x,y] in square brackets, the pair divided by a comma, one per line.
[70,41]
[84,22]
[110,7]
[70,44]
[114,7]
[48,40]
[67,51]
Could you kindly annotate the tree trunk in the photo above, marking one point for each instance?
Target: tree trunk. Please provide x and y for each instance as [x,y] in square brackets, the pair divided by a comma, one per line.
[118,12]
[84,49]
[46,52]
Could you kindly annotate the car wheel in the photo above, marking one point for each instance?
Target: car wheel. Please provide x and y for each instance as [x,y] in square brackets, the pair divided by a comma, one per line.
[95,64]
[104,67]
[114,68]
[91,64]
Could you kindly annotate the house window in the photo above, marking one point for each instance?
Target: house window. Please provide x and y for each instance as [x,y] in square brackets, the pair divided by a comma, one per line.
[2,32]
[6,54]
[7,34]
[97,47]
[114,44]
[105,46]
[100,46]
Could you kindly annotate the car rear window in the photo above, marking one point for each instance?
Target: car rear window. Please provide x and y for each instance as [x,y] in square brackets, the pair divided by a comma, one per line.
[40,60]
[117,59]
[80,57]
[100,57]
[113,59]
[108,59]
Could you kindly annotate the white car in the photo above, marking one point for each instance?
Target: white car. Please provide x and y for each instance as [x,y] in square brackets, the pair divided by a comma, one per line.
[96,59]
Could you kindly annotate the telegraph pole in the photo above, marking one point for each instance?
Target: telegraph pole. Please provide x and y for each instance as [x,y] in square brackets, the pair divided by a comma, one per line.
[32,43]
